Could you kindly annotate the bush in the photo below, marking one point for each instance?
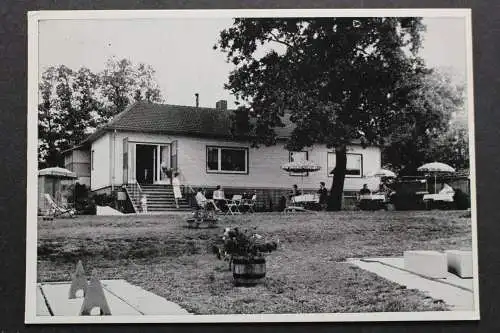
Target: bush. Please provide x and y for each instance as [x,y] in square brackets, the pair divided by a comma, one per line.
[407,201]
[461,199]
[105,199]
[81,199]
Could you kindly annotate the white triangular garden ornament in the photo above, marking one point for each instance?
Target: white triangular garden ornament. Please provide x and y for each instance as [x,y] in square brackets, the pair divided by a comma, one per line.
[78,281]
[95,298]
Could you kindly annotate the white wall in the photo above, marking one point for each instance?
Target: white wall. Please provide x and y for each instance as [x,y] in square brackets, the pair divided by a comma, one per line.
[133,138]
[100,174]
[265,166]
[264,163]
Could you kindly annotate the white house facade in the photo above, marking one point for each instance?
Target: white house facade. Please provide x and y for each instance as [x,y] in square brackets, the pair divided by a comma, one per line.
[136,146]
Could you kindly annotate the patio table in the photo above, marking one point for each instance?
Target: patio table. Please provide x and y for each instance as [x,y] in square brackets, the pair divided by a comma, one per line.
[306,198]
[372,197]
[446,197]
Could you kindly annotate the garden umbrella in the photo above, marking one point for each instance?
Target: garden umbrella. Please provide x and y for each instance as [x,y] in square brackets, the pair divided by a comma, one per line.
[382,173]
[57,171]
[435,168]
[301,166]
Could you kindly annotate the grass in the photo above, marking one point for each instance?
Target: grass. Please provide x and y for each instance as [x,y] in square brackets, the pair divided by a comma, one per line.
[308,273]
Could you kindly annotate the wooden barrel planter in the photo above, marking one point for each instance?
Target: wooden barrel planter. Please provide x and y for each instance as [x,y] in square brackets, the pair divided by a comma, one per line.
[248,271]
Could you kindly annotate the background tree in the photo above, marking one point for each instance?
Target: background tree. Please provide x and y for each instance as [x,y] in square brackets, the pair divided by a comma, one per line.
[67,110]
[124,83]
[339,79]
[422,133]
[49,122]
[452,147]
[74,102]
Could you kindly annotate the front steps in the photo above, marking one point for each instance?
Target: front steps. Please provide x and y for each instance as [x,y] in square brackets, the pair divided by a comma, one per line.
[160,199]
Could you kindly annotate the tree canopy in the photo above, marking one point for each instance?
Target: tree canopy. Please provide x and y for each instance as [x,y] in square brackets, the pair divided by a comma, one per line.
[340,79]
[432,126]
[74,102]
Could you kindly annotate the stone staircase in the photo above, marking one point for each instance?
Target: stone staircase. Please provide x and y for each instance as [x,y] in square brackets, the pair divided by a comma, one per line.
[160,199]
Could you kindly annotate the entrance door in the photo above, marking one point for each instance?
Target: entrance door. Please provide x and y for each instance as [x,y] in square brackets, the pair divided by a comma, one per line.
[145,164]
[164,163]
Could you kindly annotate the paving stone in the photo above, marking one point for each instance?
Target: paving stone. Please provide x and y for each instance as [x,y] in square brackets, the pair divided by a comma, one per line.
[454,291]
[123,298]
[428,263]
[460,263]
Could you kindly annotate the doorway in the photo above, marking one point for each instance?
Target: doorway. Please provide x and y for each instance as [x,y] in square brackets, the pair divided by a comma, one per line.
[145,164]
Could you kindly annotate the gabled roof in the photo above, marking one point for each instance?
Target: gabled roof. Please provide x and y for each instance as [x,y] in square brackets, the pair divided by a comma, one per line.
[179,120]
[176,119]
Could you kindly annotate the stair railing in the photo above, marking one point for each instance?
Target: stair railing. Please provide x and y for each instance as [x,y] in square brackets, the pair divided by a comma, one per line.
[135,192]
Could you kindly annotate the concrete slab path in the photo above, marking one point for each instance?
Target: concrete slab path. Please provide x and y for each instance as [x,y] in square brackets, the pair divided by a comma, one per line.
[123,298]
[456,292]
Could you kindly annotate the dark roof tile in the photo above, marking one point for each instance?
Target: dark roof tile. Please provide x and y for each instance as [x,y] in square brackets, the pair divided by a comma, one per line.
[176,119]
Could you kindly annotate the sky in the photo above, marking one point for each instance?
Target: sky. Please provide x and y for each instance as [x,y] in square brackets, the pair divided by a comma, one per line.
[180,50]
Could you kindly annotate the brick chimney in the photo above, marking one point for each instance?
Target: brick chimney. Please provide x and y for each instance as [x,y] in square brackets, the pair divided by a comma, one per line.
[221,105]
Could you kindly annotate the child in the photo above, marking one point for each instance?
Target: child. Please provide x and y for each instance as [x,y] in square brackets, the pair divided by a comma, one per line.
[144,204]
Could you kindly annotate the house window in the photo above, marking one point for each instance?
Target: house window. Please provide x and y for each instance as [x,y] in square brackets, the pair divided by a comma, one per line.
[92,160]
[227,160]
[295,156]
[354,167]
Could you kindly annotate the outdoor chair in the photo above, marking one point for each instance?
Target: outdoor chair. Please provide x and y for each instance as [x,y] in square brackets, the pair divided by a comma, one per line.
[203,212]
[233,206]
[55,210]
[249,204]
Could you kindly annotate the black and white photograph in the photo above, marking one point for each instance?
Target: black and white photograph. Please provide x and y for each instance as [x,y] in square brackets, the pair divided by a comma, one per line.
[193,166]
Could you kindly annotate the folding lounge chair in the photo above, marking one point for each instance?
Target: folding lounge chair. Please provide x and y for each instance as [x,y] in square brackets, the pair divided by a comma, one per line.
[56,210]
[233,206]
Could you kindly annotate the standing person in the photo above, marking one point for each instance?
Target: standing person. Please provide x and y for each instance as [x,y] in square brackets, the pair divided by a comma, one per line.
[176,185]
[323,195]
[144,204]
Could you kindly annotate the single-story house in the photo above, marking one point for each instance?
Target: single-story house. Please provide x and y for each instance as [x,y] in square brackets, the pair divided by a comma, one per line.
[197,141]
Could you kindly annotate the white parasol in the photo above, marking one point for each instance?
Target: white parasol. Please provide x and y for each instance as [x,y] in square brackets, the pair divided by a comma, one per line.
[301,166]
[435,168]
[57,171]
[382,173]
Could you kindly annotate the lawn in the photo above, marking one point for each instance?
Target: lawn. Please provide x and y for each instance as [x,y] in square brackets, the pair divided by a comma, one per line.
[307,274]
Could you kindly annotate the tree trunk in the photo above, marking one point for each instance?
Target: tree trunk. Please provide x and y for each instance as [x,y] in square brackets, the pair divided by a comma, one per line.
[337,189]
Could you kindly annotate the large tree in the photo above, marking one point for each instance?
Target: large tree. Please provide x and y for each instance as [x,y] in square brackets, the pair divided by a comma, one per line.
[69,103]
[124,83]
[425,130]
[74,102]
[339,78]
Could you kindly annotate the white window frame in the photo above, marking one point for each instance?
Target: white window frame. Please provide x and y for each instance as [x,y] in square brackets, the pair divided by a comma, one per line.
[329,169]
[219,160]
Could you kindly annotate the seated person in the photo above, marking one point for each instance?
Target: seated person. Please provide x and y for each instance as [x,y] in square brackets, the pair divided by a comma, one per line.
[323,195]
[219,197]
[201,200]
[446,189]
[365,190]
[385,190]
[294,192]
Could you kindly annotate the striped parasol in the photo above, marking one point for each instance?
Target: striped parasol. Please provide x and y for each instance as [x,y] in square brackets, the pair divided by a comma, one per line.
[301,166]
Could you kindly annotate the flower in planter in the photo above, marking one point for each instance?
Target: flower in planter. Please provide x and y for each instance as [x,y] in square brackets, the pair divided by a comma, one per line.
[245,251]
[237,243]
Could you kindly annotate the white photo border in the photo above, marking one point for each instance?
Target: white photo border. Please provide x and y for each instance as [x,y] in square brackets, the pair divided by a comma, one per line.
[32,166]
